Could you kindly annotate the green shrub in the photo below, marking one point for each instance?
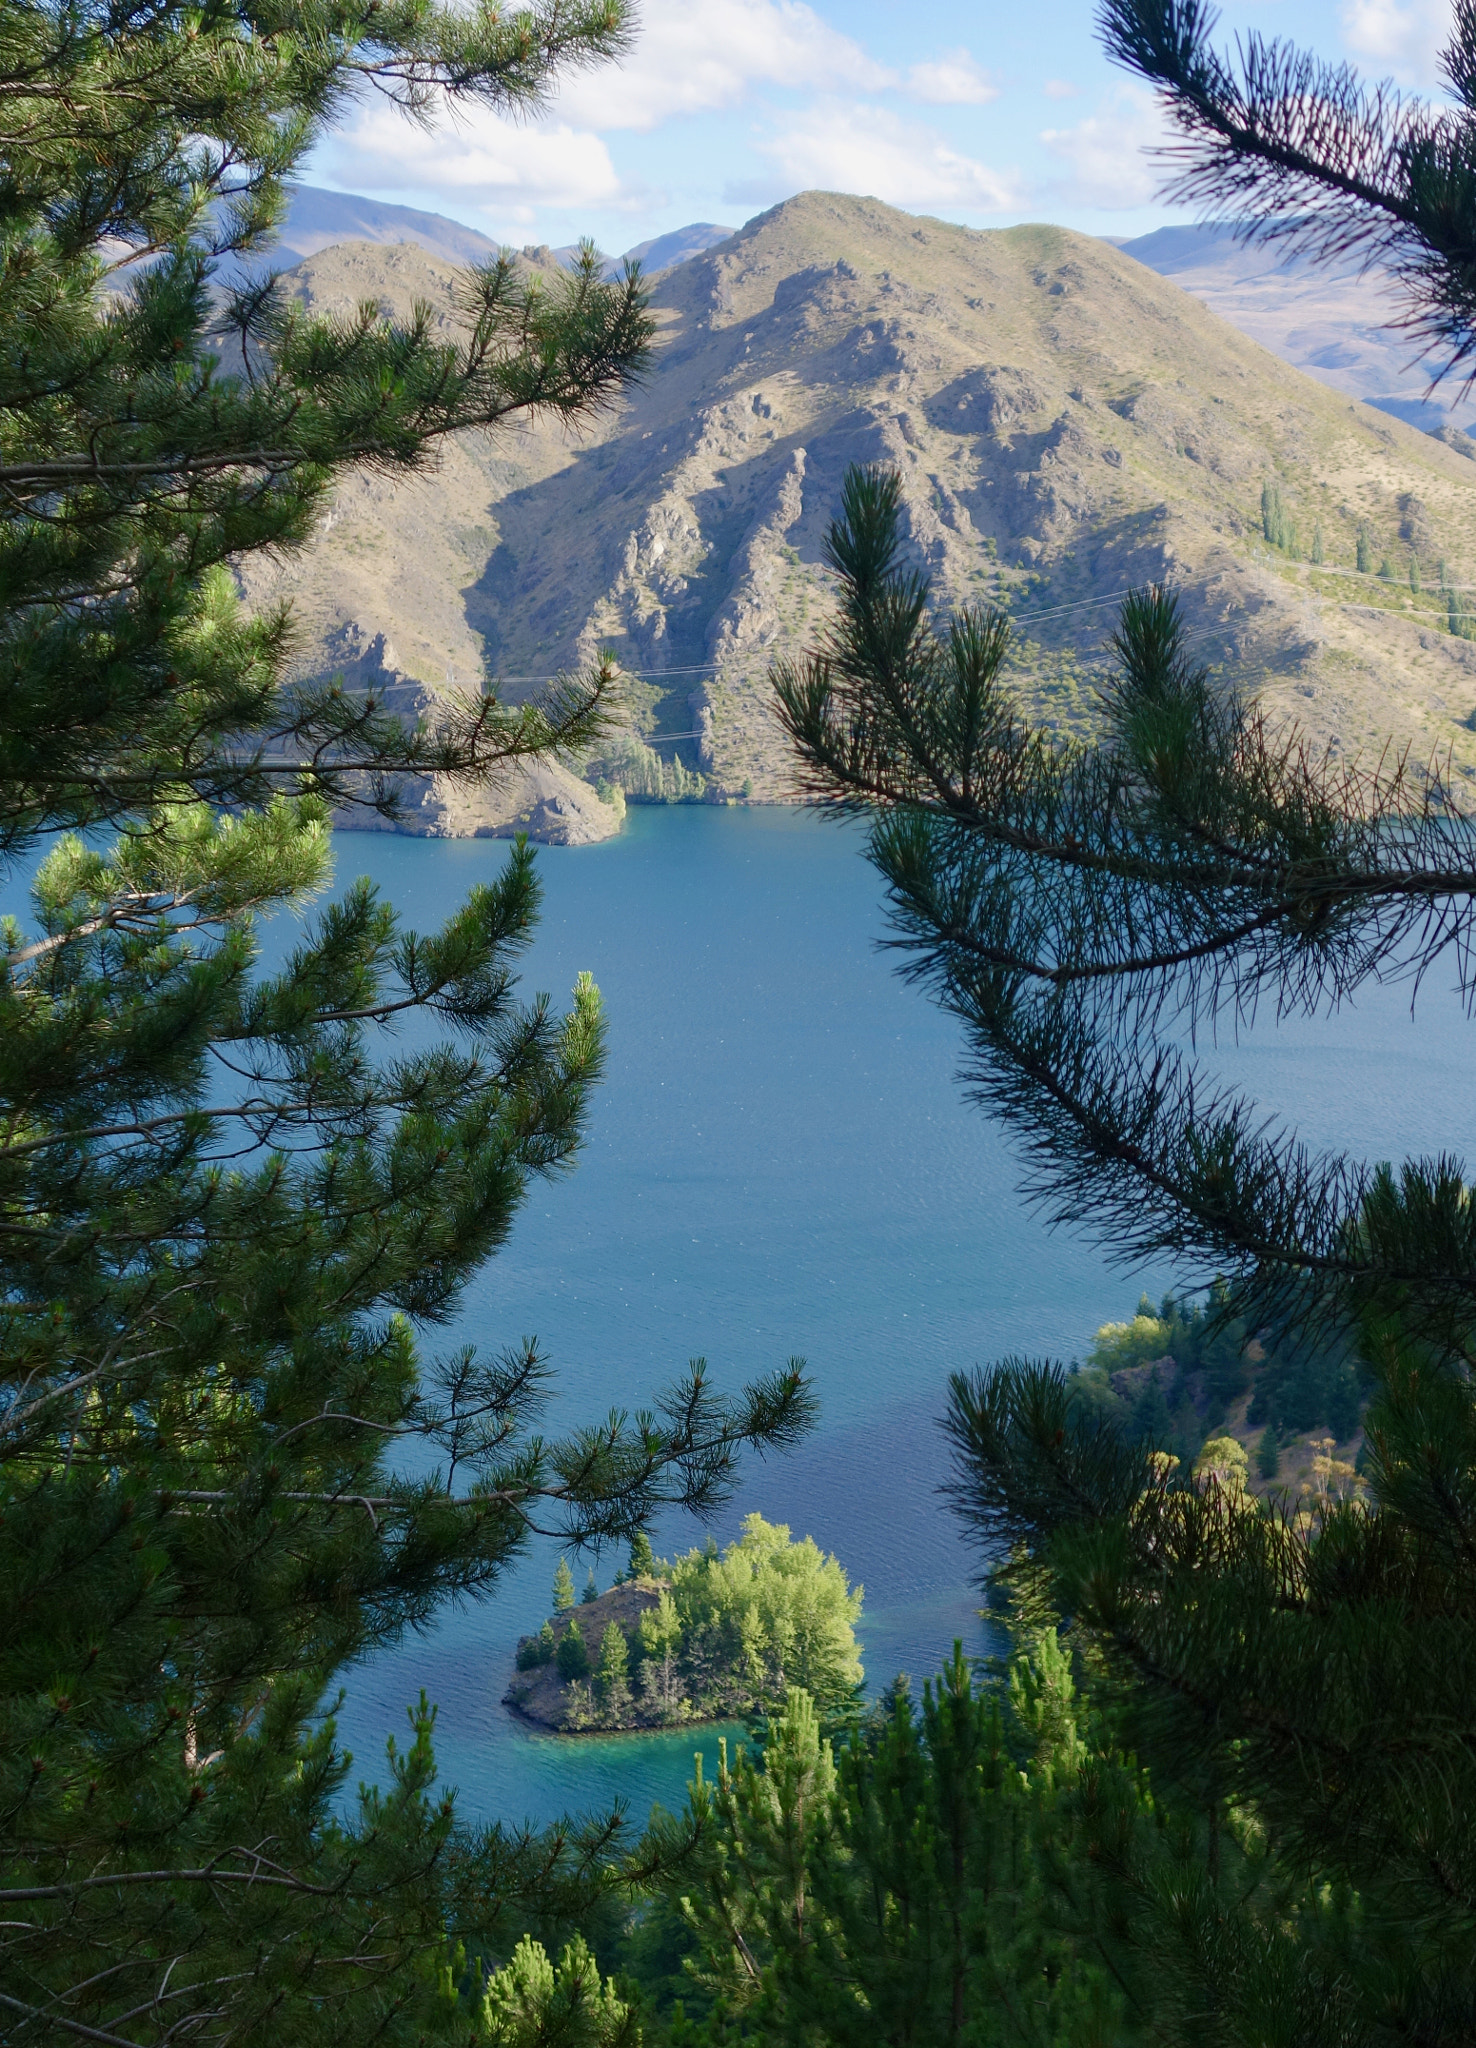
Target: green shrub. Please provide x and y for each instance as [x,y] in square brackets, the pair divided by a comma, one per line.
[1122,1344]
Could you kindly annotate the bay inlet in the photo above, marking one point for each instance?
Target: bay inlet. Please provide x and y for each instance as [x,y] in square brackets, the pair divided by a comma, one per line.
[782,1162]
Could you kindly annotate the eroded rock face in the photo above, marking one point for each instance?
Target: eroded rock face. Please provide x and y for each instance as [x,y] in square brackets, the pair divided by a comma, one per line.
[1065,423]
[549,802]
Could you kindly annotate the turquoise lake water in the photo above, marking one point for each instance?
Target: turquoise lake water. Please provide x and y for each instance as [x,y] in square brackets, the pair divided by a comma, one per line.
[781,1162]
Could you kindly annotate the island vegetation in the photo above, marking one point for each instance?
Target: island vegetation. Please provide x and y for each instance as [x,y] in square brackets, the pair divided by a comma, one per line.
[1176,1375]
[713,1635]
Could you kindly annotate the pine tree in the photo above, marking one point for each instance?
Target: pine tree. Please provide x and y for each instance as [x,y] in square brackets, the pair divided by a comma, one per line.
[1365,552]
[591,1591]
[902,1888]
[1316,556]
[531,2003]
[563,1588]
[233,1214]
[1076,908]
[751,1898]
[572,1659]
[1152,1423]
[612,1673]
[1301,152]
[642,1557]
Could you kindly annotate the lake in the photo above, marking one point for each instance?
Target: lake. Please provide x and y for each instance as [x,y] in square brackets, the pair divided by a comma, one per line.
[781,1162]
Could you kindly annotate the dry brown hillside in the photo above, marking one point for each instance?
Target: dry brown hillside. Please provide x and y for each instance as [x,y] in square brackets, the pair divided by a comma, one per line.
[1066,423]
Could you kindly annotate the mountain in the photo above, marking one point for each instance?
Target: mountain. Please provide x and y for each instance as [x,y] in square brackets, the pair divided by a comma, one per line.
[680,246]
[317,219]
[1067,424]
[1332,320]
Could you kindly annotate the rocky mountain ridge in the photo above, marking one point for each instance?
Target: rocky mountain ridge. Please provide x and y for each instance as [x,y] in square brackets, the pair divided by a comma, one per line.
[1067,424]
[1336,320]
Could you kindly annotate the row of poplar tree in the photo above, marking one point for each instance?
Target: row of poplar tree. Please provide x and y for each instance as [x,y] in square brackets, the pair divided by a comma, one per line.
[1225,1793]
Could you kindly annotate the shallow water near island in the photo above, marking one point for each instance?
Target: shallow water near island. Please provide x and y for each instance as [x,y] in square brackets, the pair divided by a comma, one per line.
[781,1162]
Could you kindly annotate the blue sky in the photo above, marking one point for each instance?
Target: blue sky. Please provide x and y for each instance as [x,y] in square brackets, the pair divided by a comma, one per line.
[987,114]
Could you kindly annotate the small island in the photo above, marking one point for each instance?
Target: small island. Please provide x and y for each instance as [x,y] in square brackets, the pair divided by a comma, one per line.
[715,1635]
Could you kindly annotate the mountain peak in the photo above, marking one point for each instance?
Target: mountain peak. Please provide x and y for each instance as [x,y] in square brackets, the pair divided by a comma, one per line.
[1066,424]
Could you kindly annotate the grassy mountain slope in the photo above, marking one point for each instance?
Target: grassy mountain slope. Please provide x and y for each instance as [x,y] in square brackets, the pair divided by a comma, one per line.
[1333,320]
[1066,423]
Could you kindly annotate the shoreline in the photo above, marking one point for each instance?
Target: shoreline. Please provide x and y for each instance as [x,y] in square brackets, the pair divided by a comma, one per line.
[528,1721]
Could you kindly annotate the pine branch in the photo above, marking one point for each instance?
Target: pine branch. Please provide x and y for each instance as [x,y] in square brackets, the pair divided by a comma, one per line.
[1082,910]
[1303,153]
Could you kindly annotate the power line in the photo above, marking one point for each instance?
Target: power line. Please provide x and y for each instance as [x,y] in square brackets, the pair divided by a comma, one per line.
[707,668]
[1080,604]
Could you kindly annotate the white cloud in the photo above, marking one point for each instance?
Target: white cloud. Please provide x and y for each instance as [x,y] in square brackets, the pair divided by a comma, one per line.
[1404,37]
[869,151]
[1060,89]
[1106,154]
[952,80]
[688,59]
[691,59]
[494,166]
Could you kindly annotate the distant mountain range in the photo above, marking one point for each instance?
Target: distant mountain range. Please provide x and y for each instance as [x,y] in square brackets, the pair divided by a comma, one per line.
[1066,422]
[1332,320]
[316,219]
[680,246]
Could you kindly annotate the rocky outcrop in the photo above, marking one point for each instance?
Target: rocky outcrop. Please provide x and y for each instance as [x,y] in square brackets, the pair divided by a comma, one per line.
[547,801]
[540,1695]
[543,798]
